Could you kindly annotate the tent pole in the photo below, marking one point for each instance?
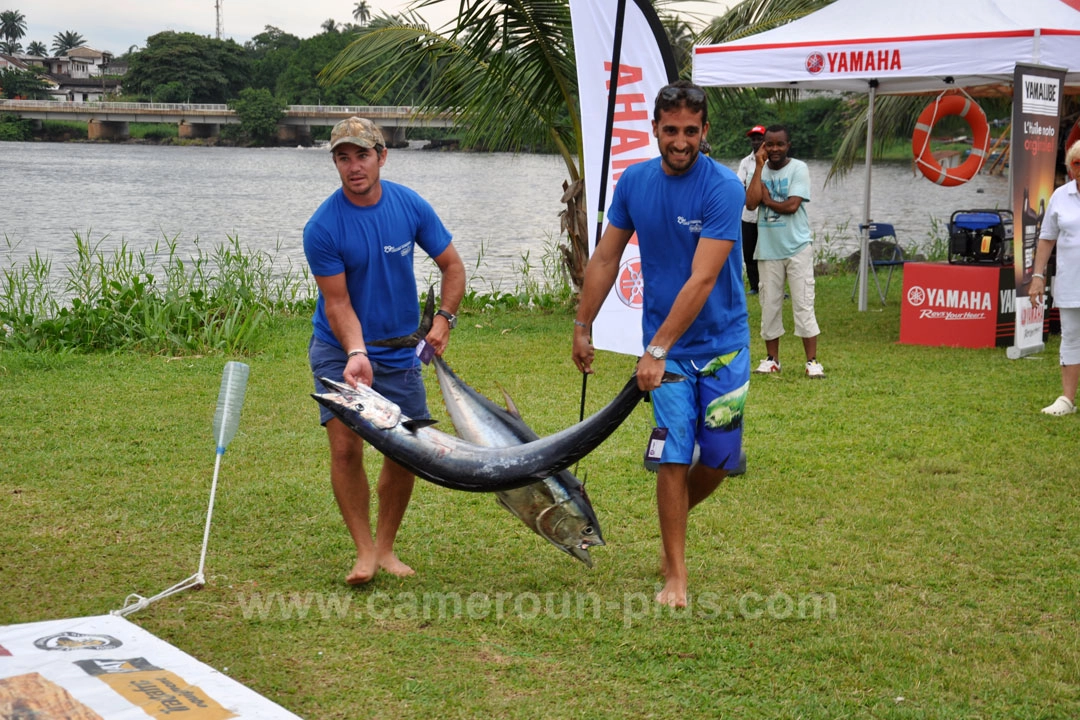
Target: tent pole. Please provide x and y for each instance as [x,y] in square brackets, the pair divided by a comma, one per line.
[864,232]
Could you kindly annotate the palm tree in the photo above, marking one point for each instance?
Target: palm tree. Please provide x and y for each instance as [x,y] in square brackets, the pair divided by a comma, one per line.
[362,12]
[894,115]
[681,36]
[504,64]
[10,47]
[508,64]
[329,25]
[37,49]
[754,16]
[12,25]
[65,41]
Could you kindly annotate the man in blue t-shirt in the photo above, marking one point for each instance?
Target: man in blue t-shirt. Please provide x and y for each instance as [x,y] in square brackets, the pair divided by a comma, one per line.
[359,246]
[686,213]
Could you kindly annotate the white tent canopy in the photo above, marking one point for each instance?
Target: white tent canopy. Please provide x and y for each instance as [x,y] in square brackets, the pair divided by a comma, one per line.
[904,47]
[909,46]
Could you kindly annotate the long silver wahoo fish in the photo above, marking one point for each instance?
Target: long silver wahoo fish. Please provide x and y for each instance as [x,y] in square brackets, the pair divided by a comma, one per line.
[457,464]
[555,508]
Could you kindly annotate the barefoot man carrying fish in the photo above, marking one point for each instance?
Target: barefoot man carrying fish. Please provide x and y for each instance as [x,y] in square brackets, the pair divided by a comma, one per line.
[359,245]
[686,210]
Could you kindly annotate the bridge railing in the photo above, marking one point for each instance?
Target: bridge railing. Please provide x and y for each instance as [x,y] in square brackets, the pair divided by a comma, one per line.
[369,111]
[361,110]
[61,105]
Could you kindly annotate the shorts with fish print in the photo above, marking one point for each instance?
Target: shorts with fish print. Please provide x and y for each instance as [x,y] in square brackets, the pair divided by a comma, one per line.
[403,386]
[705,410]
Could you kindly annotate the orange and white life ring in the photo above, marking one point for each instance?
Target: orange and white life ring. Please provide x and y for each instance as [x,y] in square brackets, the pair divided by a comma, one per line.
[966,108]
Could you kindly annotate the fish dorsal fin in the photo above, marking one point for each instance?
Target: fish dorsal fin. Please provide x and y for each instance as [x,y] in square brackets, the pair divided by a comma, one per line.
[427,316]
[510,406]
[414,425]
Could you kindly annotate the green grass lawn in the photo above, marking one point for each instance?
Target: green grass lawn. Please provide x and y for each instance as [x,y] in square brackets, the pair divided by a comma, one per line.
[903,545]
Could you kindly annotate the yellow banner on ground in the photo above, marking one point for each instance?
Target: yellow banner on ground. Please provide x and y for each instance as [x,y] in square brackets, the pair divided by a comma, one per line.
[159,693]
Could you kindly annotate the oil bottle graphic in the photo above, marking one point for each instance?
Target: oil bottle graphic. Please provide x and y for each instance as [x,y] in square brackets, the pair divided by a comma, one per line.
[1038,229]
[1030,225]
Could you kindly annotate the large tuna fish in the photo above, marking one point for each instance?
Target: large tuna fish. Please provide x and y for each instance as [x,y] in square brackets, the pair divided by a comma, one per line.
[460,465]
[555,508]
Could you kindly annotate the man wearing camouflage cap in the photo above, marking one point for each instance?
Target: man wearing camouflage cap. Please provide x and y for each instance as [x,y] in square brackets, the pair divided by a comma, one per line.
[359,245]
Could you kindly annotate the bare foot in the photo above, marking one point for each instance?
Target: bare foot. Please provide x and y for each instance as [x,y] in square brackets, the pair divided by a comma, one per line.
[363,571]
[392,565]
[673,594]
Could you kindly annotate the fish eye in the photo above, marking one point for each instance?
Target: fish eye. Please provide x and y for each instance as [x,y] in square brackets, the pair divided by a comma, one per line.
[588,530]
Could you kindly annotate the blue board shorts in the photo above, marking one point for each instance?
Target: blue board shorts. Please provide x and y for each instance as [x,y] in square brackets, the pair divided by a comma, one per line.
[706,409]
[402,386]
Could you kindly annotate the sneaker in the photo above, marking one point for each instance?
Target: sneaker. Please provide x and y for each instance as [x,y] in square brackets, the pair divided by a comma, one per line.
[814,369]
[768,365]
[1061,406]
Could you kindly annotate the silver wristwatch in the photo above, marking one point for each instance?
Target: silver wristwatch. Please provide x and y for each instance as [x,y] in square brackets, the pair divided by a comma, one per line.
[657,351]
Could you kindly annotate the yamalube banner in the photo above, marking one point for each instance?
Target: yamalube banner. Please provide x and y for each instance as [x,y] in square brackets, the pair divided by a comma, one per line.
[1036,127]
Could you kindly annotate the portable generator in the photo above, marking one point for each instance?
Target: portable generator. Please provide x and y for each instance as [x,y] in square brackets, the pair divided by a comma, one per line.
[981,237]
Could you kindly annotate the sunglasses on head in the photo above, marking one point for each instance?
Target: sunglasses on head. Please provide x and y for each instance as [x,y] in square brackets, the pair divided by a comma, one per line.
[674,94]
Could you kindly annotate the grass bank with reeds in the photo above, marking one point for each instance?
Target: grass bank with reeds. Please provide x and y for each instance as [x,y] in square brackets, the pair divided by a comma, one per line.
[904,544]
[158,300]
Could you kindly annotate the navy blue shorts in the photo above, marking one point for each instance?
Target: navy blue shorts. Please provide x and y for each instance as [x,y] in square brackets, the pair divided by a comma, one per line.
[403,386]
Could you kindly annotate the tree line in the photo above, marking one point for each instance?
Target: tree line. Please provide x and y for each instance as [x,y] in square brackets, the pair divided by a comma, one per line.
[272,70]
[187,67]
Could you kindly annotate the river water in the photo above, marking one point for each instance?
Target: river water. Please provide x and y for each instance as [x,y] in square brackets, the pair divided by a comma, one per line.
[499,207]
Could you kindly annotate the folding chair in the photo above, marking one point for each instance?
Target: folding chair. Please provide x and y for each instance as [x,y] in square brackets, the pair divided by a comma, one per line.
[882,254]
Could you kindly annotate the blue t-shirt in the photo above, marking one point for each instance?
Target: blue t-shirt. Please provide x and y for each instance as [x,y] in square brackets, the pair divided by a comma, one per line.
[670,213]
[373,246]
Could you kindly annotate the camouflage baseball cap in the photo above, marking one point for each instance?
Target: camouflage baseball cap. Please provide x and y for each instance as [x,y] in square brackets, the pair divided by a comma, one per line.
[358,131]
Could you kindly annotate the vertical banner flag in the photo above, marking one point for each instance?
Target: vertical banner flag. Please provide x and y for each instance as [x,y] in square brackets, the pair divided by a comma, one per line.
[623,59]
[1032,156]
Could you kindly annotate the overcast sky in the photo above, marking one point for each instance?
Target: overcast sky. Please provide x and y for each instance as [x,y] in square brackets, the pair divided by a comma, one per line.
[116,25]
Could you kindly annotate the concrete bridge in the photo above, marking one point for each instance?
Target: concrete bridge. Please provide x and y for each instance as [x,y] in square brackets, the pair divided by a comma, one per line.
[109,120]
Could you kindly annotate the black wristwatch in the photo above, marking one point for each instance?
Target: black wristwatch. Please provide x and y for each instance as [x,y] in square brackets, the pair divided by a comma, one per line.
[451,318]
